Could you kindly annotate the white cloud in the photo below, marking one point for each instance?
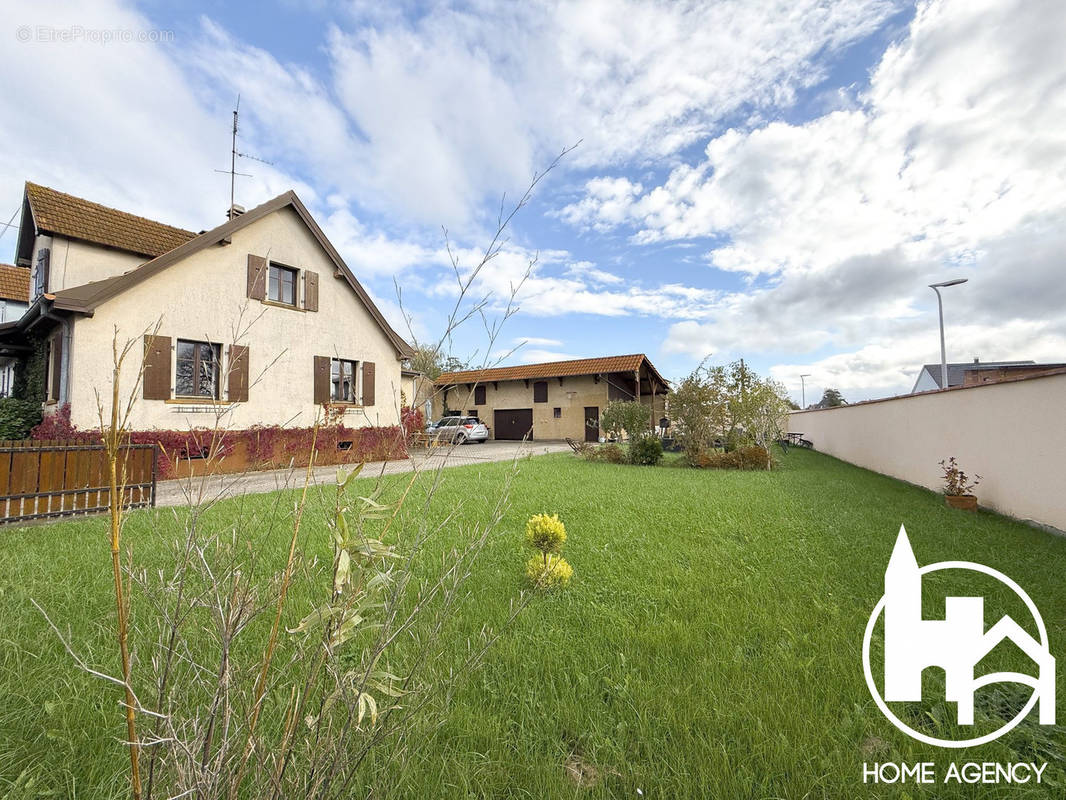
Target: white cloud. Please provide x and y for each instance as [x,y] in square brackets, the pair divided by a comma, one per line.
[954,161]
[433,113]
[536,341]
[538,355]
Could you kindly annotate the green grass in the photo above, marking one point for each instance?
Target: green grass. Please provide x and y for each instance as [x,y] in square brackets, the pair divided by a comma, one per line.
[708,646]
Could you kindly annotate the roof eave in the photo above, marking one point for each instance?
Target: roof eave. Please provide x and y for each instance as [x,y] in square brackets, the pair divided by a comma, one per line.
[119,284]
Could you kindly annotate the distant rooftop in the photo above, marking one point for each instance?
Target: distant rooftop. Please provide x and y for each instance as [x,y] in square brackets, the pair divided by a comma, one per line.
[957,371]
[14,283]
[553,369]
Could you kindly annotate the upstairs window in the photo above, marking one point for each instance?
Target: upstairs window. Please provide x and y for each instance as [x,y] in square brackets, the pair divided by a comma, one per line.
[344,377]
[282,285]
[540,392]
[479,395]
[197,369]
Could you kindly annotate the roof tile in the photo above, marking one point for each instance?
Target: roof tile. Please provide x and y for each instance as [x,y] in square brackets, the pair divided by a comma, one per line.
[66,215]
[14,283]
[550,369]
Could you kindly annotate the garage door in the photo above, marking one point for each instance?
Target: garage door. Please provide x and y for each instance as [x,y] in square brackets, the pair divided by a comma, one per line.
[513,424]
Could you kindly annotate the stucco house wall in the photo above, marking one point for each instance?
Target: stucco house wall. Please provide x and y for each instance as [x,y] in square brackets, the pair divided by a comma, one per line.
[204,298]
[1010,433]
[73,263]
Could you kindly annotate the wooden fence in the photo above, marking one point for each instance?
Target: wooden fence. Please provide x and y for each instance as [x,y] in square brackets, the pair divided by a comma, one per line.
[45,479]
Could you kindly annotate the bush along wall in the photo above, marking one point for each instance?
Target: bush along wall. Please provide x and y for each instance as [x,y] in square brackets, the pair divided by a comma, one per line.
[184,452]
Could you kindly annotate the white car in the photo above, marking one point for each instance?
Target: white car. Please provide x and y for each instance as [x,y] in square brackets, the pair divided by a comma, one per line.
[460,430]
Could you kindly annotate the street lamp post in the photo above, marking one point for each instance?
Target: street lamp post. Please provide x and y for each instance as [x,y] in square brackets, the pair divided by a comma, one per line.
[803,389]
[936,287]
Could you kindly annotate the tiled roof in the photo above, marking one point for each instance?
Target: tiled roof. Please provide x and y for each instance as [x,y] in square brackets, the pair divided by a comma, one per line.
[551,369]
[76,218]
[14,283]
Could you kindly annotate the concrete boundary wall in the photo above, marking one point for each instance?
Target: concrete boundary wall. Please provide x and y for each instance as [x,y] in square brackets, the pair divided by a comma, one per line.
[1012,434]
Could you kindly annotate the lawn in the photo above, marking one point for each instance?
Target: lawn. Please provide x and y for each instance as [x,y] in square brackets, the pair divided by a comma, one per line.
[708,646]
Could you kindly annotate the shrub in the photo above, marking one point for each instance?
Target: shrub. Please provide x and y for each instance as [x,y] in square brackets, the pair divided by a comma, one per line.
[57,426]
[956,482]
[646,451]
[18,417]
[545,533]
[752,458]
[412,420]
[548,572]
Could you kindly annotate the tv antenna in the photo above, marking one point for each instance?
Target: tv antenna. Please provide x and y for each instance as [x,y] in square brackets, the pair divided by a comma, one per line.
[234,155]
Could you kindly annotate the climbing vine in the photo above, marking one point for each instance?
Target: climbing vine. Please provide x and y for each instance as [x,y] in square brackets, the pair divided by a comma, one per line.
[31,373]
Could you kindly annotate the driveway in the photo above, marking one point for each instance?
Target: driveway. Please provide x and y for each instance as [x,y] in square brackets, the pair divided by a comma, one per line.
[217,487]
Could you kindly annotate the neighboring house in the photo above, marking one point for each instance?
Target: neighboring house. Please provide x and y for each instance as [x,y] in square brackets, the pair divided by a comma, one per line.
[555,400]
[973,373]
[14,300]
[259,316]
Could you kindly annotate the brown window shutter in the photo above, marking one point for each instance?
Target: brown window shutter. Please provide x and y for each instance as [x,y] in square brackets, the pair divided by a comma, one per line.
[257,277]
[368,383]
[321,380]
[57,366]
[540,392]
[237,388]
[310,290]
[156,368]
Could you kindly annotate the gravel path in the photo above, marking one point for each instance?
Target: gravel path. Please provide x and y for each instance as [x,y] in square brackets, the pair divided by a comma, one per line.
[181,492]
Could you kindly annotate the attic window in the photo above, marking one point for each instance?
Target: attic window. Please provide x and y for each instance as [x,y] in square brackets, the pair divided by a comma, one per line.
[282,285]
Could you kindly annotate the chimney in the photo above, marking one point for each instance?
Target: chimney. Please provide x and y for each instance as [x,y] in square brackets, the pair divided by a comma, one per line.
[976,360]
[234,211]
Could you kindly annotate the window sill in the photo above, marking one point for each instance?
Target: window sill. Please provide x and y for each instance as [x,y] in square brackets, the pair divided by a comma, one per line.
[346,406]
[276,304]
[198,401]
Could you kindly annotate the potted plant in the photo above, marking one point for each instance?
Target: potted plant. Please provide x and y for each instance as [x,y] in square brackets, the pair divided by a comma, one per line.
[958,487]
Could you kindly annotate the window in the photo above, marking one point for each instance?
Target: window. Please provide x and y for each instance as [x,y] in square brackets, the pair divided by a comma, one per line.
[479,395]
[197,369]
[344,376]
[540,392]
[282,287]
[557,413]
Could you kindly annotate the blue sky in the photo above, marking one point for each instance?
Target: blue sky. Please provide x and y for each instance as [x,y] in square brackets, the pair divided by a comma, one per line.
[777,181]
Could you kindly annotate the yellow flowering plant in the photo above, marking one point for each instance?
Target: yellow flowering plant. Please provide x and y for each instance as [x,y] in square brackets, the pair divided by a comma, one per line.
[548,572]
[545,533]
[547,569]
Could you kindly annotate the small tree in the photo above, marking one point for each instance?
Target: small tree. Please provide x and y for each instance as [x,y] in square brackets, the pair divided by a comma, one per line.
[623,416]
[699,407]
[547,535]
[432,362]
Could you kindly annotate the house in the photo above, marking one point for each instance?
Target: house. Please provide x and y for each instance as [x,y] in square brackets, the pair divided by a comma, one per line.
[259,317]
[553,400]
[977,372]
[14,300]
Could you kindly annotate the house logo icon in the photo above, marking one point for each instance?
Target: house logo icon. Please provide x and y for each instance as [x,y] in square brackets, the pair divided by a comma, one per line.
[956,643]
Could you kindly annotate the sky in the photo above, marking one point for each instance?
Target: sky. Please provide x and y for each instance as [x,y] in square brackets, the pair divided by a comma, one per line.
[773,181]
